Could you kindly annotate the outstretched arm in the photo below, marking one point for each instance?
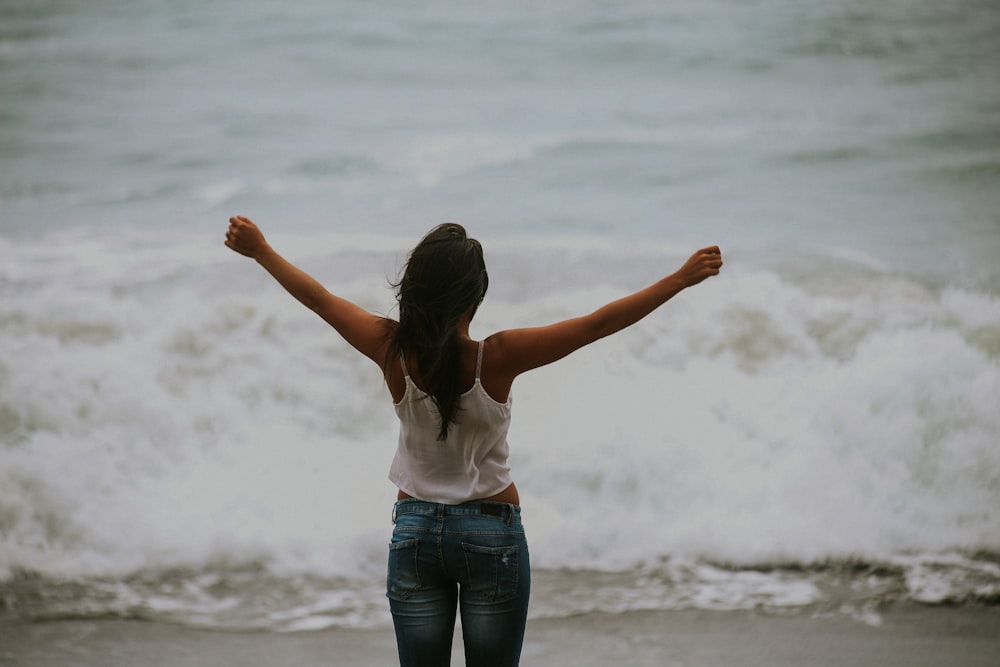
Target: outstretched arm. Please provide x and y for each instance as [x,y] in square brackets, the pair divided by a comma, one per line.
[521,350]
[363,330]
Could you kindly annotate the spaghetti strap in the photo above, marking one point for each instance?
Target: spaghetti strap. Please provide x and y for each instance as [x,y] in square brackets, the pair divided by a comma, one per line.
[402,361]
[479,360]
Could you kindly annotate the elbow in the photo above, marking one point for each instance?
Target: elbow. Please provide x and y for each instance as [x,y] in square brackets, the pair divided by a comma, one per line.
[602,326]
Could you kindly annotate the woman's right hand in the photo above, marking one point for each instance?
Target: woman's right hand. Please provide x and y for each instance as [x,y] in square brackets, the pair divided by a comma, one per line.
[245,237]
[701,265]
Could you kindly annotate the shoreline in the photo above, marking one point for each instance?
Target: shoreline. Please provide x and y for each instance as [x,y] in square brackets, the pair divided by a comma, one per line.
[907,634]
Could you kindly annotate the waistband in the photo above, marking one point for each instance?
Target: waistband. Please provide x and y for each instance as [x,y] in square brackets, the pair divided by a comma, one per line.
[508,512]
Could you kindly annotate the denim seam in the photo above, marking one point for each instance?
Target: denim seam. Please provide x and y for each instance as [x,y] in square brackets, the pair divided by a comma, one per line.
[404,545]
[409,530]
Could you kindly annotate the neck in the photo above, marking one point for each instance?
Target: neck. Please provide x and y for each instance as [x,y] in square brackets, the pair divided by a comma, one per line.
[463,326]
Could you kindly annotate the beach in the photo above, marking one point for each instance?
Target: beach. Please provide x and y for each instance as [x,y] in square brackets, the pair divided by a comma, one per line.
[909,635]
[795,463]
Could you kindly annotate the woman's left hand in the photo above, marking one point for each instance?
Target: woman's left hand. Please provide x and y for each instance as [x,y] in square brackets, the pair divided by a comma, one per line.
[245,237]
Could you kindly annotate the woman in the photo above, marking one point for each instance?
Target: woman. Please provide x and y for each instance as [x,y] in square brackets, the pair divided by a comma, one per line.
[458,543]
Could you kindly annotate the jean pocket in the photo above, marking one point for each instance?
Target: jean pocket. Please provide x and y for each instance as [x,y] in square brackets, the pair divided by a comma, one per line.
[403,579]
[492,571]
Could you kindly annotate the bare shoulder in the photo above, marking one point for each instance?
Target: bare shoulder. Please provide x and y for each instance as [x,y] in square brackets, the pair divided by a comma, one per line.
[523,349]
[497,374]
[499,347]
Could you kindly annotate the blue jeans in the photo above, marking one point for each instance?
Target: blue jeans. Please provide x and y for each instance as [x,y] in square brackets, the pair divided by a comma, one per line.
[471,556]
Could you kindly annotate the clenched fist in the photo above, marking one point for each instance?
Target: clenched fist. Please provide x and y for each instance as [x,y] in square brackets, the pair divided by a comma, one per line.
[245,237]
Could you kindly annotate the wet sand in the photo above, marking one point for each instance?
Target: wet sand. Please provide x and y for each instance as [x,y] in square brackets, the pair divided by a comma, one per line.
[910,635]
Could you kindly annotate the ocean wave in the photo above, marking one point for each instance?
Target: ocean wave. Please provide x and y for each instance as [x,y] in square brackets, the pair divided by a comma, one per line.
[166,409]
[253,598]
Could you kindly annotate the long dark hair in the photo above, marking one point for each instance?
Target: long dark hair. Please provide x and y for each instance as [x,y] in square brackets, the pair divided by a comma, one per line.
[445,276]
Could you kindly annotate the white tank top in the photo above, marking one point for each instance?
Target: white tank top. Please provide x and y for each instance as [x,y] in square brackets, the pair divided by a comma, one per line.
[470,464]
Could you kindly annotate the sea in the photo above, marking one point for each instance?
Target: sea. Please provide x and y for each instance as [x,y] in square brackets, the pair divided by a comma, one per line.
[816,430]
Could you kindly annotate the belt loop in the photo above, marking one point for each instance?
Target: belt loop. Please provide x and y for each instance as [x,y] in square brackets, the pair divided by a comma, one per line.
[510,514]
[394,506]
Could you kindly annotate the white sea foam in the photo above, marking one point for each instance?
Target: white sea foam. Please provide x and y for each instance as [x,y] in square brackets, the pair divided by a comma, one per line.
[221,192]
[171,408]
[432,158]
